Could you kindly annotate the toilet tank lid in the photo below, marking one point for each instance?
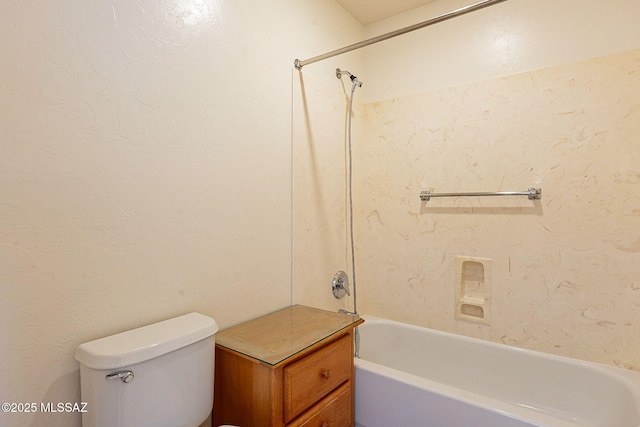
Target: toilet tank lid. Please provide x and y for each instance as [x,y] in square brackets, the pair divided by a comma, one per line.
[145,343]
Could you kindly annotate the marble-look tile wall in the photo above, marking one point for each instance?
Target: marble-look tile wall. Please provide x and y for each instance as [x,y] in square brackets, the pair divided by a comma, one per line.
[564,269]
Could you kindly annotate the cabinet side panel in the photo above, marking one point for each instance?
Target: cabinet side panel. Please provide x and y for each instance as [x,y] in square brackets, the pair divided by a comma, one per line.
[239,384]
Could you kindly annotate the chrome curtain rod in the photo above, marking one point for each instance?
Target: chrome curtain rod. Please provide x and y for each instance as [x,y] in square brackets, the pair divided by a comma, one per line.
[458,12]
[532,194]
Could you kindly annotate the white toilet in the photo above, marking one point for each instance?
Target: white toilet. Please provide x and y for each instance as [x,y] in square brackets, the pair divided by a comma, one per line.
[159,375]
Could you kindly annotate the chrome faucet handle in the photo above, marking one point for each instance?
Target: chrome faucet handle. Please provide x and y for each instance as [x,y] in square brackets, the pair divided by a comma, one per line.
[340,285]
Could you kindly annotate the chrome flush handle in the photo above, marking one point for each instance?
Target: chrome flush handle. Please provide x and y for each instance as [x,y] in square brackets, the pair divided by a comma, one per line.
[125,376]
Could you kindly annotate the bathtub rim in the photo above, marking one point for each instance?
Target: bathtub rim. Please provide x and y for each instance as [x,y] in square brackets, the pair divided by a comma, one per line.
[629,379]
[628,375]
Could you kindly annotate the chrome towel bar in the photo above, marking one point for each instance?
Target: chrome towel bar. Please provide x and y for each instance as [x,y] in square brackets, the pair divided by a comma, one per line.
[532,194]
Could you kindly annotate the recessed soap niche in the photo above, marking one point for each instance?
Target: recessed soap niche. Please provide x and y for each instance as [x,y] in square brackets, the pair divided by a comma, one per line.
[473,289]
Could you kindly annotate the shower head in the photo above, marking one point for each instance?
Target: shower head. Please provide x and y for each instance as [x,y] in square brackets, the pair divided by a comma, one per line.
[353,78]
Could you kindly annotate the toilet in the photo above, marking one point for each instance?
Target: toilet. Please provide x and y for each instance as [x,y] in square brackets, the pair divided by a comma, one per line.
[159,375]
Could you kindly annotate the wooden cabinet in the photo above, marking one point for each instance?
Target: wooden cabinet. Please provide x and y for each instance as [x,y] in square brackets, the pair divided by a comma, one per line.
[290,368]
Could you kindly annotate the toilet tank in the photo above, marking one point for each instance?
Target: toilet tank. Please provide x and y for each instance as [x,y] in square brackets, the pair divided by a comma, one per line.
[159,375]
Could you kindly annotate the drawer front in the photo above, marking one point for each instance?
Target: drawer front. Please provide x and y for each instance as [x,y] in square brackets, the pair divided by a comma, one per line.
[311,378]
[333,411]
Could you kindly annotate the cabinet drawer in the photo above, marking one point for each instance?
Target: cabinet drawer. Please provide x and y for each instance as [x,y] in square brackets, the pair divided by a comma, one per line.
[311,378]
[332,411]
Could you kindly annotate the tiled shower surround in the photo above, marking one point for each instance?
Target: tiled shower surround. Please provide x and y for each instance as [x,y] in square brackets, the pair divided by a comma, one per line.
[566,275]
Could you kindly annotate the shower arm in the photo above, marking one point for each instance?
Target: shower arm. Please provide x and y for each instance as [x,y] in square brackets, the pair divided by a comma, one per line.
[444,17]
[353,78]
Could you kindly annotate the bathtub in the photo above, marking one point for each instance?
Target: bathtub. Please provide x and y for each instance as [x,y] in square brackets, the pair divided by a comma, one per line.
[416,377]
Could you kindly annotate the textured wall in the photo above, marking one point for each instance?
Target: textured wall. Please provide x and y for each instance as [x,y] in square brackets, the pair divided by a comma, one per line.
[145,161]
[564,269]
[320,218]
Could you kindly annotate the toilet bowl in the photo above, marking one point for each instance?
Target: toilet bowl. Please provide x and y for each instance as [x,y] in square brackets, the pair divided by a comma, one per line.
[159,375]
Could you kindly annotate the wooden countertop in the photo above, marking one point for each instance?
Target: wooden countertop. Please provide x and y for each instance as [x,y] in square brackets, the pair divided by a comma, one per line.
[275,337]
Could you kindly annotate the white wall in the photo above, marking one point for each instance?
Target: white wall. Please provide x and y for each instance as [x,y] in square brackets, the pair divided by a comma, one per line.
[319,114]
[504,39]
[320,217]
[145,172]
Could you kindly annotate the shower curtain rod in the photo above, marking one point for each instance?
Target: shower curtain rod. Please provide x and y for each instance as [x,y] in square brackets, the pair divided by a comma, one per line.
[458,12]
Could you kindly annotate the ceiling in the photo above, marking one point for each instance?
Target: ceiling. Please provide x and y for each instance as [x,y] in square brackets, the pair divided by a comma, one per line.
[369,11]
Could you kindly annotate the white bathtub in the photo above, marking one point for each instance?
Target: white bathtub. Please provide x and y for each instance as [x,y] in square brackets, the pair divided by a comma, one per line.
[416,377]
